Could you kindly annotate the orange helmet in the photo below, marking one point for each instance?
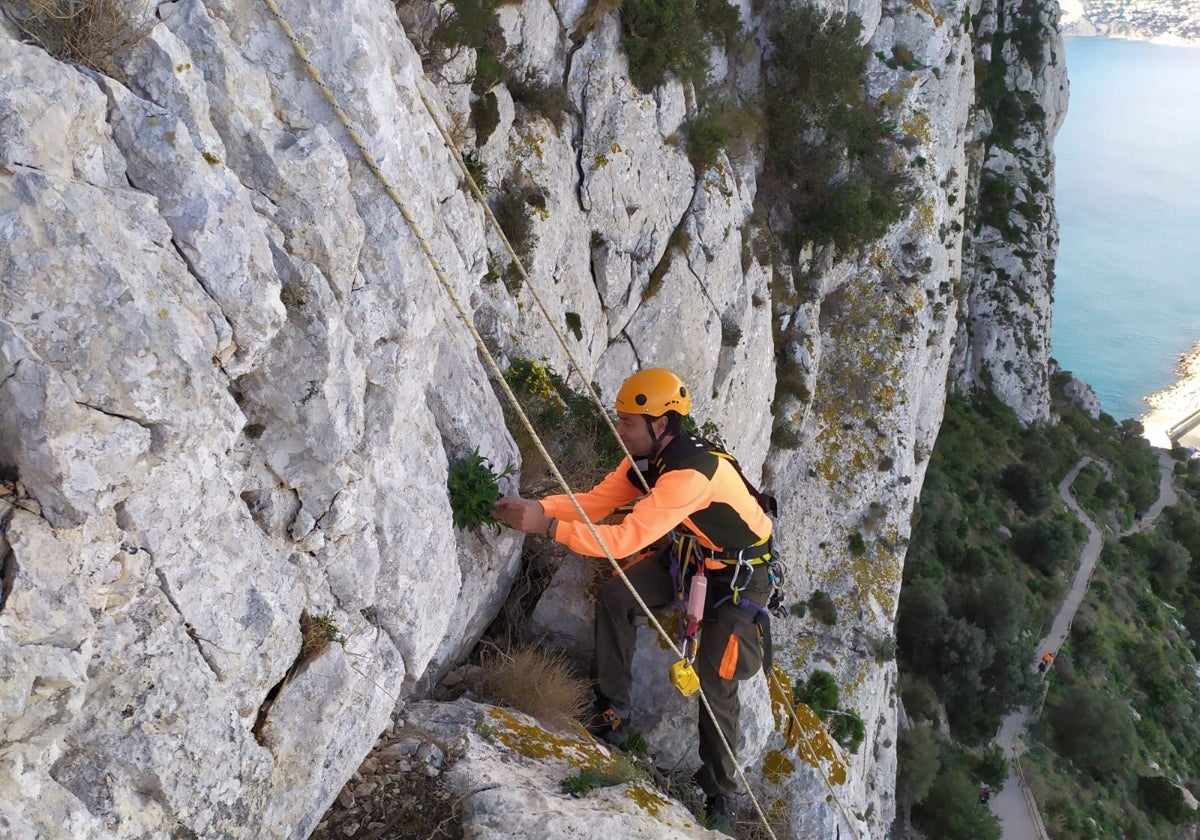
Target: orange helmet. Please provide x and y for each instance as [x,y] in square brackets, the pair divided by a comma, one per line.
[653,392]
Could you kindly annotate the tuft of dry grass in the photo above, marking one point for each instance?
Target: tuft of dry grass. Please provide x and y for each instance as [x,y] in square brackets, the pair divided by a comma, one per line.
[536,682]
[595,12]
[91,33]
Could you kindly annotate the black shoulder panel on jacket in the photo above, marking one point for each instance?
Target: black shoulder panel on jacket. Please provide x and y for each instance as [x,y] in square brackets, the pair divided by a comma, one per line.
[687,452]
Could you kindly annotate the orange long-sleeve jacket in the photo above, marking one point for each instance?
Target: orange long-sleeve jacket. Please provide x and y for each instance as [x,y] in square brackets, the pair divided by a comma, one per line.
[689,486]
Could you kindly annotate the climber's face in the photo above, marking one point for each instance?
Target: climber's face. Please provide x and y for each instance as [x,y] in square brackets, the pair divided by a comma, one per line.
[635,433]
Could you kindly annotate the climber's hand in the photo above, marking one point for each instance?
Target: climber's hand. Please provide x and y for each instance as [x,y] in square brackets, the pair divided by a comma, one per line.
[522,514]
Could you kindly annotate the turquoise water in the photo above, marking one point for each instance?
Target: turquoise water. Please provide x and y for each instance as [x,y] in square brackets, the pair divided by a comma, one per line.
[1127,293]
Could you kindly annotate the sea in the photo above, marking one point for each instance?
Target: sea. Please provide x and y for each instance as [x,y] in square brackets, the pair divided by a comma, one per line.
[1127,290]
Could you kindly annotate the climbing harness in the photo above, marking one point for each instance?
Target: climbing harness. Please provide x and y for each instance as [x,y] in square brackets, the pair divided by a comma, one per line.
[681,675]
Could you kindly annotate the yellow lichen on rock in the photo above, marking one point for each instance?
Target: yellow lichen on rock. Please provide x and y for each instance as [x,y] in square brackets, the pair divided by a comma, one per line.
[917,125]
[926,6]
[529,145]
[536,743]
[875,573]
[648,800]
[862,376]
[803,732]
[776,766]
[813,744]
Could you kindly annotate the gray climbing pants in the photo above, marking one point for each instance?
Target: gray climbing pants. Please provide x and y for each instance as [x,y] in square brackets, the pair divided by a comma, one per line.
[730,650]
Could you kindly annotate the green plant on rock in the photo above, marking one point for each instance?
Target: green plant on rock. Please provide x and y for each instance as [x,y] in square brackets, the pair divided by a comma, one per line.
[512,212]
[823,607]
[708,430]
[476,168]
[473,24]
[318,632]
[848,729]
[731,333]
[735,126]
[616,772]
[541,97]
[819,692]
[474,489]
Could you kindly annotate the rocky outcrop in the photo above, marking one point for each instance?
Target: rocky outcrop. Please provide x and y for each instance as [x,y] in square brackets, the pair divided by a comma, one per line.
[1008,262]
[231,388]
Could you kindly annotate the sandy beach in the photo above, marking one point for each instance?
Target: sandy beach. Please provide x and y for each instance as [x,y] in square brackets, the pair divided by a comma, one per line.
[1177,407]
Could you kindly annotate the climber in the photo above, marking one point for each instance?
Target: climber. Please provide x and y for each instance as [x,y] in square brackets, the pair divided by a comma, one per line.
[717,526]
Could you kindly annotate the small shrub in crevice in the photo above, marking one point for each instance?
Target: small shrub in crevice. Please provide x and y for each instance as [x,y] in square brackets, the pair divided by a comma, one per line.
[512,212]
[820,693]
[731,333]
[476,168]
[541,97]
[474,489]
[317,632]
[848,729]
[512,279]
[87,32]
[708,430]
[705,135]
[473,24]
[485,116]
[823,608]
[570,424]
[575,325]
[829,154]
[856,544]
[593,13]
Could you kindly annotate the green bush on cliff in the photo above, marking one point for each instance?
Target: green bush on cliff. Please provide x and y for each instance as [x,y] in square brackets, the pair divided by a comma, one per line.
[674,36]
[829,154]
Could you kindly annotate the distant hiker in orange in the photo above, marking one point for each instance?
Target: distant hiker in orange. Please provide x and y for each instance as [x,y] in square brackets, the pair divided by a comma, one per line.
[720,536]
[1047,661]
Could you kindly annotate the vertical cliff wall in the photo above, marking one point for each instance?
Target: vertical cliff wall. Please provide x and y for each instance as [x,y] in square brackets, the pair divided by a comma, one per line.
[1008,262]
[230,386]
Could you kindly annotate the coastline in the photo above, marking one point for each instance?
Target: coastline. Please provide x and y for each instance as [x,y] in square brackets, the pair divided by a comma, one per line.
[1074,21]
[1177,405]
[1083,28]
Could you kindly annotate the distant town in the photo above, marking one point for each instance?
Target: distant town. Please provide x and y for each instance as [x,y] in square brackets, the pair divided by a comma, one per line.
[1166,21]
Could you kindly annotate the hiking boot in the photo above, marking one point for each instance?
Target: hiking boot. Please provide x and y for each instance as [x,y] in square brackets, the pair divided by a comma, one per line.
[717,814]
[611,724]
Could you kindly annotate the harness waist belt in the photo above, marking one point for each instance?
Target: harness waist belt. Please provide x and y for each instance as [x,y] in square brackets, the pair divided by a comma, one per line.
[754,554]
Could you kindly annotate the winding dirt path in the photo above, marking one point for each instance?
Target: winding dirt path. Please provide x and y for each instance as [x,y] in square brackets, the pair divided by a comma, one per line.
[1013,804]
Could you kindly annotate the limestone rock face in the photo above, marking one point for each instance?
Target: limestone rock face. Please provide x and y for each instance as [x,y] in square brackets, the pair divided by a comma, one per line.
[232,387]
[1008,274]
[1080,393]
[509,771]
